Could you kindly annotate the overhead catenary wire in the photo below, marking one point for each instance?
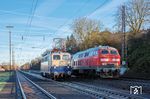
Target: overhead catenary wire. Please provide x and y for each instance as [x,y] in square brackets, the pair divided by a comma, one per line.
[78,10]
[30,23]
[30,18]
[27,24]
[96,8]
[59,27]
[75,14]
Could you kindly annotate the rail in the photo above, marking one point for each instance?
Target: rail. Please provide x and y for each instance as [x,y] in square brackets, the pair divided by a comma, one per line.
[94,91]
[41,89]
[20,87]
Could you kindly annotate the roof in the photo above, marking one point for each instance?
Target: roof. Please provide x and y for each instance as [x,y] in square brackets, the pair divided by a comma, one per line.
[94,48]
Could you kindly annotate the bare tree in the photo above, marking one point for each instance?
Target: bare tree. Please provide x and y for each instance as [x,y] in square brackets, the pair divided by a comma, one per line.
[137,13]
[118,19]
[83,27]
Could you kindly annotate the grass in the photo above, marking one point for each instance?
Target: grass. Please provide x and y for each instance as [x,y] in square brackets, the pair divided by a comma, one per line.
[4,77]
[4,73]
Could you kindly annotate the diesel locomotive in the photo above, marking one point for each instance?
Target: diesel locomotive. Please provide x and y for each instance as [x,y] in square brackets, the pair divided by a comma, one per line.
[102,60]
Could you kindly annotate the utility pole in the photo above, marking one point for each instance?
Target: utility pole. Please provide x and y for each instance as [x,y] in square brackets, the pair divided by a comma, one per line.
[13,57]
[124,48]
[9,27]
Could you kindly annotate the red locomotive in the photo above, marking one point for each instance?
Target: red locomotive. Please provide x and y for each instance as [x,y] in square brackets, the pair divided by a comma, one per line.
[102,60]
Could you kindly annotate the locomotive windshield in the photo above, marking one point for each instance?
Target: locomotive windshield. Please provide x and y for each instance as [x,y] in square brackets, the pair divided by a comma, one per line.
[65,57]
[113,52]
[104,51]
[56,57]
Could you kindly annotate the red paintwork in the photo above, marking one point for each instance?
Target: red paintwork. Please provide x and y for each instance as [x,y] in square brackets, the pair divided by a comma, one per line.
[96,60]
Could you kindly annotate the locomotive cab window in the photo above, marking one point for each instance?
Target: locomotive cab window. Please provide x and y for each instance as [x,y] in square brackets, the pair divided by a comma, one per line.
[65,57]
[113,52]
[56,57]
[104,51]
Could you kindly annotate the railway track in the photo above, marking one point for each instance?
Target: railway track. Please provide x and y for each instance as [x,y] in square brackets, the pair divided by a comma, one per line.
[123,84]
[59,91]
[104,92]
[30,90]
[136,81]
[120,83]
[96,91]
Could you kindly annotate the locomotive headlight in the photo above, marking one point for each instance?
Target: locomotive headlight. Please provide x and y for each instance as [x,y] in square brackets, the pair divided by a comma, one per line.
[55,73]
[114,59]
[54,67]
[104,59]
[69,72]
[104,64]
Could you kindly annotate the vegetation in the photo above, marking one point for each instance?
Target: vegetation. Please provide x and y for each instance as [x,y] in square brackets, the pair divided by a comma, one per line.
[87,34]
[139,55]
[6,66]
[137,15]
[35,64]
[4,77]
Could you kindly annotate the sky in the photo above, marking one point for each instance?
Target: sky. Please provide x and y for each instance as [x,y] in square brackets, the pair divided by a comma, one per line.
[36,22]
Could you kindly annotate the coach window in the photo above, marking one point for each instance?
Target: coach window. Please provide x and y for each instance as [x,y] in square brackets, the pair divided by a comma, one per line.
[104,51]
[56,57]
[113,52]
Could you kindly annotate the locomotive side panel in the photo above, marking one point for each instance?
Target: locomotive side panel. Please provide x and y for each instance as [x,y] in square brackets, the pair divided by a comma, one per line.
[99,60]
[45,64]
